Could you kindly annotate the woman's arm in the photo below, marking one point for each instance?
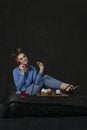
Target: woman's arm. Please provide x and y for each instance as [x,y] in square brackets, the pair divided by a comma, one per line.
[18,79]
[37,76]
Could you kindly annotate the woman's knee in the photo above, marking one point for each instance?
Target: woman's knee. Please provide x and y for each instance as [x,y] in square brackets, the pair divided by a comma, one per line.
[45,76]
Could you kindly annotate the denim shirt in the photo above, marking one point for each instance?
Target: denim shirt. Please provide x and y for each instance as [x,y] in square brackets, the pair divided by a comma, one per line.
[23,81]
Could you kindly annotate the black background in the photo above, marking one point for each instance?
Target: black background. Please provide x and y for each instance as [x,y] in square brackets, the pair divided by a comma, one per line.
[54,32]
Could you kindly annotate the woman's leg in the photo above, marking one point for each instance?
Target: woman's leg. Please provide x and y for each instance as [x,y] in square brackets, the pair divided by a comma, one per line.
[49,82]
[52,82]
[57,84]
[34,89]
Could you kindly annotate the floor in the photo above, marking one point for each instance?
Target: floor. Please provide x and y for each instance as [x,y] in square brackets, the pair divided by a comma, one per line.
[43,123]
[61,123]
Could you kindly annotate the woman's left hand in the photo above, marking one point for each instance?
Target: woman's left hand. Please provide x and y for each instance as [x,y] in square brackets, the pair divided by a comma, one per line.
[41,66]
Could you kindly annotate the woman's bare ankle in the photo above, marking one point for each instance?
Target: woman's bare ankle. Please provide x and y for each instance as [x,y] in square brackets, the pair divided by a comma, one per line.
[63,86]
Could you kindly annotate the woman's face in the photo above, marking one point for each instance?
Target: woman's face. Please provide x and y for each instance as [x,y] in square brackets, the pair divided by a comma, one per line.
[22,58]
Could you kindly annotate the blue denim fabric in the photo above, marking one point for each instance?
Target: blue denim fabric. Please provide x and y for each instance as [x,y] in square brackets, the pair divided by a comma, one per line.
[47,81]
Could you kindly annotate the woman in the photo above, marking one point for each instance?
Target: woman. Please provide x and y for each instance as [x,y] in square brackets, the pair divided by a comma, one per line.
[28,80]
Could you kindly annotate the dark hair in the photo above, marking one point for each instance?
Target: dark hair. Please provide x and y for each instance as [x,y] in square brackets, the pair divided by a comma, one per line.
[16,53]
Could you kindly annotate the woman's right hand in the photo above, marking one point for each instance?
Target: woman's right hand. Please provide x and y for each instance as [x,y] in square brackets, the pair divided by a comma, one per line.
[22,68]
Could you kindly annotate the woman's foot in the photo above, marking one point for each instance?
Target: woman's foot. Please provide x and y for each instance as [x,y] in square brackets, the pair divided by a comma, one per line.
[70,89]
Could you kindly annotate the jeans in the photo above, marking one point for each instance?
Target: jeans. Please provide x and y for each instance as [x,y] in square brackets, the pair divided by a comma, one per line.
[47,81]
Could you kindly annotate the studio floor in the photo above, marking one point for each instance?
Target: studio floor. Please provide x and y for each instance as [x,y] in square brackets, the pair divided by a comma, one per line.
[32,123]
[43,123]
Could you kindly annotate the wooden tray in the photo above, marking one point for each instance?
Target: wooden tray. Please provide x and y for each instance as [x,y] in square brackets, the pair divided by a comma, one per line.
[54,95]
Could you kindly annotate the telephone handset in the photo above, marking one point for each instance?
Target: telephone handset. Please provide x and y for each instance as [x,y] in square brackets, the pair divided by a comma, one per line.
[18,63]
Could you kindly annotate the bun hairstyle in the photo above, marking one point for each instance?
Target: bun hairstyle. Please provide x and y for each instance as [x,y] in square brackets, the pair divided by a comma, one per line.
[16,53]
